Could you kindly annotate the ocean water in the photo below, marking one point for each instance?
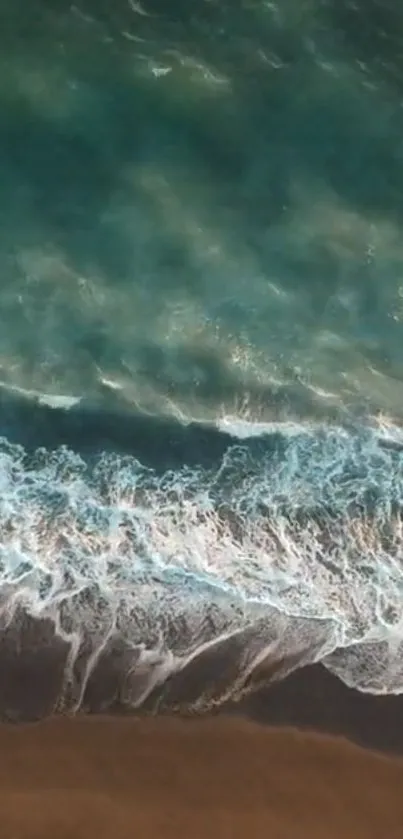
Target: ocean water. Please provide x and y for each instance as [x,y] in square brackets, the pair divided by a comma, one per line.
[201,346]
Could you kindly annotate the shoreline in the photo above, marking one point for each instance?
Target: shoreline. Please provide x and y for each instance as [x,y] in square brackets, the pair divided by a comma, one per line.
[281,763]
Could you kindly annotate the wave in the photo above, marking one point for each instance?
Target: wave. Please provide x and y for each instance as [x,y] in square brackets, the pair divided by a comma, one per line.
[149,563]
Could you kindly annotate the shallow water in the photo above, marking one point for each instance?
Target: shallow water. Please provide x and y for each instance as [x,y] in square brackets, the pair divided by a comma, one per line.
[201,220]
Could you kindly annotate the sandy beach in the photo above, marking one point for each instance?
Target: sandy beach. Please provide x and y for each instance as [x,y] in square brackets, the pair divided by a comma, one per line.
[116,779]
[226,776]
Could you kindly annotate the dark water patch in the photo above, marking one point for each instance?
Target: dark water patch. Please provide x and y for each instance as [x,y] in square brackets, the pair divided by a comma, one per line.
[315,699]
[110,425]
[158,443]
[32,664]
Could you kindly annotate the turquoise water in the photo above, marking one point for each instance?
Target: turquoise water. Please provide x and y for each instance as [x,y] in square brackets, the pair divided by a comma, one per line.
[203,208]
[201,223]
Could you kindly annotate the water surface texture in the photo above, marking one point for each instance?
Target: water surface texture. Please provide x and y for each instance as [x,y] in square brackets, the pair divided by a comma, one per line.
[201,347]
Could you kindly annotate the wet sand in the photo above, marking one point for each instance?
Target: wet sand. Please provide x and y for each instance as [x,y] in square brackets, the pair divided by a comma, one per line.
[313,699]
[227,776]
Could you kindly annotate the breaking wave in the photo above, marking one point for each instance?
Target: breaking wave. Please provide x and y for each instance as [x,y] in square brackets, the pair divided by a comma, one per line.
[233,556]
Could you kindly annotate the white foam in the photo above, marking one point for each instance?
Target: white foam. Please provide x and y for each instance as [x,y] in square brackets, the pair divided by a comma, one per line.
[243,429]
[59,400]
[52,400]
[307,529]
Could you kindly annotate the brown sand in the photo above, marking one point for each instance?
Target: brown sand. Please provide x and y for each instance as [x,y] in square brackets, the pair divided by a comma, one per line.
[224,777]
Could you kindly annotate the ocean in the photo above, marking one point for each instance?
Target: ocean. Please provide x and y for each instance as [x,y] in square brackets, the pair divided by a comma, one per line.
[201,350]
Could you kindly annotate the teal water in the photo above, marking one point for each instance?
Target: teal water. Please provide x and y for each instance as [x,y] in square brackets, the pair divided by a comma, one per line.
[201,215]
[203,207]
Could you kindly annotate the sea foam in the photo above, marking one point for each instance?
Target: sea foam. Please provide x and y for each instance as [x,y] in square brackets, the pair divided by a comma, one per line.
[291,543]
